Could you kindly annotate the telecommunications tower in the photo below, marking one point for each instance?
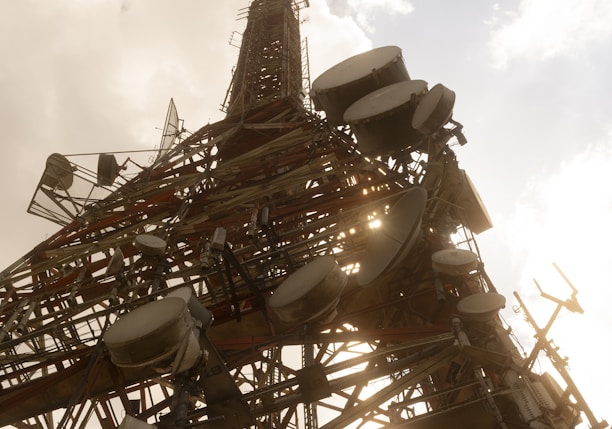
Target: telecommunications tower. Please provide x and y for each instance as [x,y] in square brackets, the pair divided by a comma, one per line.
[280,268]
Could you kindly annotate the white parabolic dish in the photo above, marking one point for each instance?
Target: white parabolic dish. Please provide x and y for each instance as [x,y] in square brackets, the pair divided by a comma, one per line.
[346,82]
[150,244]
[394,240]
[481,306]
[454,262]
[310,292]
[150,333]
[356,67]
[434,110]
[384,100]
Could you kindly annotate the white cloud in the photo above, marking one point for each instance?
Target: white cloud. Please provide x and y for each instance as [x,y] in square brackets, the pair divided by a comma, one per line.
[541,29]
[331,38]
[562,218]
[97,76]
[363,9]
[340,29]
[566,219]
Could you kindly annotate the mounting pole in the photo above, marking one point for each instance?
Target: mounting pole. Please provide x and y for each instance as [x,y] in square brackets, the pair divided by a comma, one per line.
[560,363]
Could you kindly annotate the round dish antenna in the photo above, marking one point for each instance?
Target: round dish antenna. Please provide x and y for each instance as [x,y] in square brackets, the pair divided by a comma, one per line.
[390,244]
[58,172]
[481,306]
[310,293]
[381,120]
[434,110]
[454,262]
[150,334]
[346,82]
[150,245]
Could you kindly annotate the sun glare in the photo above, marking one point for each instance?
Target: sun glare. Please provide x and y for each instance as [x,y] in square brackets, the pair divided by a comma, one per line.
[375,224]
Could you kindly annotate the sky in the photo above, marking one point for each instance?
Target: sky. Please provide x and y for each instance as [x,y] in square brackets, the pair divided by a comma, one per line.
[533,86]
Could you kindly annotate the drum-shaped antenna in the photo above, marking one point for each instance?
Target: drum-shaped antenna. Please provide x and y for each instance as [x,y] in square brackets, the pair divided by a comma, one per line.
[346,82]
[58,172]
[481,306]
[149,334]
[434,110]
[381,120]
[150,245]
[454,262]
[108,169]
[392,242]
[309,293]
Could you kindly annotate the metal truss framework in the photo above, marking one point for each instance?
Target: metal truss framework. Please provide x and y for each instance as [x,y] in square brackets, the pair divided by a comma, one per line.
[395,355]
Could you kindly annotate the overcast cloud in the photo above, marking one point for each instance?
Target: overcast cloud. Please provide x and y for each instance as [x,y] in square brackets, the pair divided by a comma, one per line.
[541,29]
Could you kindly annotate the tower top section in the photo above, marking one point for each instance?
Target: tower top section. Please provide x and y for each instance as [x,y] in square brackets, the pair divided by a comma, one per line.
[270,63]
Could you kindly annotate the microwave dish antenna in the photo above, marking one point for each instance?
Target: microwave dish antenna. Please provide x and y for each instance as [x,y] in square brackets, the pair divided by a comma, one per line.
[67,189]
[108,169]
[390,244]
[58,172]
[223,285]
[343,84]
[171,131]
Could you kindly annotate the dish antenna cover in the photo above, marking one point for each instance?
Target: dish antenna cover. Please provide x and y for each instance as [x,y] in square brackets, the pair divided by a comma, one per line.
[150,245]
[152,334]
[481,306]
[393,241]
[310,292]
[434,110]
[382,119]
[454,262]
[346,82]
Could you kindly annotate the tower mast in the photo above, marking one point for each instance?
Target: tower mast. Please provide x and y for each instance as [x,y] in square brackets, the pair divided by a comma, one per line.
[269,65]
[276,269]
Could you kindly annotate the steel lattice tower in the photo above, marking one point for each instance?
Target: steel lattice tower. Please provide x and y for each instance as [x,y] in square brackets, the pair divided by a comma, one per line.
[234,212]
[270,63]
